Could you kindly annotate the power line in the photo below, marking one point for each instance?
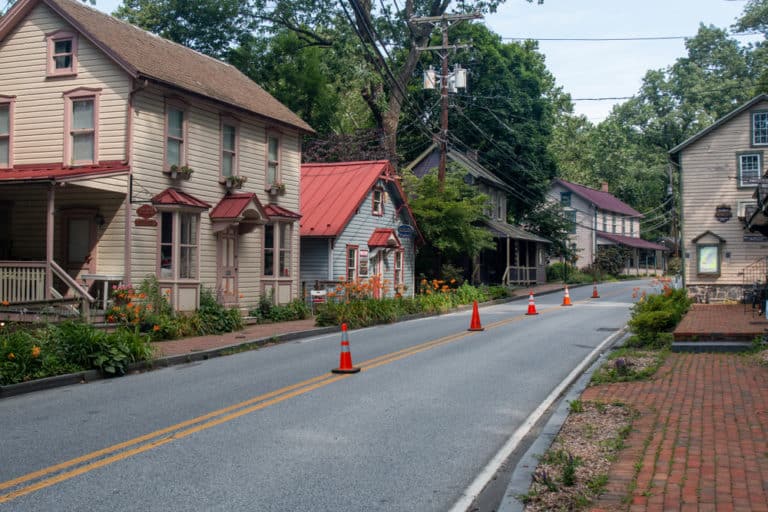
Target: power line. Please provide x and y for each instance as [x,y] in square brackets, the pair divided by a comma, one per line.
[610,39]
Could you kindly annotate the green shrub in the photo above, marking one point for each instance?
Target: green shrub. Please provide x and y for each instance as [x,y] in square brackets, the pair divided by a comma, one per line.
[655,316]
[213,318]
[266,311]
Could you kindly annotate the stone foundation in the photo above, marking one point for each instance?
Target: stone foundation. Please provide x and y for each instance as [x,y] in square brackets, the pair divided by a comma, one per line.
[710,294]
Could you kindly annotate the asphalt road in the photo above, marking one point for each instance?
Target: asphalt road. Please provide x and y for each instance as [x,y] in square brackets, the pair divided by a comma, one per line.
[274,430]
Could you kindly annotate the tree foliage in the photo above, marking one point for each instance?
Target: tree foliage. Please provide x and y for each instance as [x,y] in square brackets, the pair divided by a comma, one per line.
[451,219]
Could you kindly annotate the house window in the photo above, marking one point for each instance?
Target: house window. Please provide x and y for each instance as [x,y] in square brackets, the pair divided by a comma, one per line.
[398,278]
[570,218]
[623,226]
[378,201]
[175,135]
[6,129]
[277,244]
[62,54]
[605,222]
[749,168]
[565,198]
[351,262]
[613,222]
[631,227]
[363,263]
[759,128]
[81,120]
[273,160]
[179,235]
[229,153]
[708,259]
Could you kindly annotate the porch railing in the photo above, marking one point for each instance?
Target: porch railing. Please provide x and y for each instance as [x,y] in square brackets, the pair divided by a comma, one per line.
[22,281]
[519,275]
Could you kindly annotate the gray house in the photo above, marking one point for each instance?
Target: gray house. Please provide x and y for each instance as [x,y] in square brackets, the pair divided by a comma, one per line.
[520,257]
[356,227]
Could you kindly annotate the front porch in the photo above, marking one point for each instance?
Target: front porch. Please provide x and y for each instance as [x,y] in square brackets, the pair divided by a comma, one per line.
[61,240]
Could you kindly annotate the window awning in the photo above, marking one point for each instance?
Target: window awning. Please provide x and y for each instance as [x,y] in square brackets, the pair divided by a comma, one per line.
[243,210]
[174,197]
[384,237]
[274,211]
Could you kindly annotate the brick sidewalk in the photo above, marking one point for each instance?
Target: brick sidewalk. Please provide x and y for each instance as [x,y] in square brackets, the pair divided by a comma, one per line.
[720,322]
[701,440]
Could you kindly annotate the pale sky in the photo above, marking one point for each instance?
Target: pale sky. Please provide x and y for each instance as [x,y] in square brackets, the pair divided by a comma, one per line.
[605,68]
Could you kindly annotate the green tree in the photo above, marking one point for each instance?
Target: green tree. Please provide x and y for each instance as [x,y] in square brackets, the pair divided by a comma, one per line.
[505,115]
[451,219]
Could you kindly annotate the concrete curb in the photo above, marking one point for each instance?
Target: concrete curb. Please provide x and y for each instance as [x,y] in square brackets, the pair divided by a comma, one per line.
[164,362]
[520,481]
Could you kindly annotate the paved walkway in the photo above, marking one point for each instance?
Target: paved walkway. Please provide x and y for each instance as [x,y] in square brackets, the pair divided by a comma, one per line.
[700,442]
[734,322]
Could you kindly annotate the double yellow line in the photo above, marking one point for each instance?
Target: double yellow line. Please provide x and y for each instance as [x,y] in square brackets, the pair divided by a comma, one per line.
[63,471]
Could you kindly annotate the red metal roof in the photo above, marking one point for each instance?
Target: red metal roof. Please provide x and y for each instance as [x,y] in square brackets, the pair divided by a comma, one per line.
[630,241]
[330,193]
[273,210]
[603,200]
[55,171]
[233,206]
[381,236]
[171,196]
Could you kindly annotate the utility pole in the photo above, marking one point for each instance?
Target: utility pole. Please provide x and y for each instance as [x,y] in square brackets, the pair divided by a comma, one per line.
[458,77]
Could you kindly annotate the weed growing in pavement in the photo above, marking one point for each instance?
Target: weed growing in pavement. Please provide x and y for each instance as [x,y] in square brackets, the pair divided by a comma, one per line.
[628,364]
[575,406]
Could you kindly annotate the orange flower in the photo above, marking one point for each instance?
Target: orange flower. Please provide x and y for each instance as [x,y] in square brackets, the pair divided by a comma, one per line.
[35,351]
[11,356]
[5,303]
[156,328]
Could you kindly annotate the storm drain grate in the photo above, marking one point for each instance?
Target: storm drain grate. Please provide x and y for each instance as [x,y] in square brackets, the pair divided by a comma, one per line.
[607,329]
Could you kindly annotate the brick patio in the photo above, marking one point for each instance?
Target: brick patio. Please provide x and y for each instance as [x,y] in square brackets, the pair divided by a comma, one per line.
[721,322]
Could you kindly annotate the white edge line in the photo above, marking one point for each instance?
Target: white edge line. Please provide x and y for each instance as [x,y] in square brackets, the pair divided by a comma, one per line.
[485,476]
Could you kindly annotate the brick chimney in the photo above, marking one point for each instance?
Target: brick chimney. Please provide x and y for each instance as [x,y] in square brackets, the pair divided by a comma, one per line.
[604,186]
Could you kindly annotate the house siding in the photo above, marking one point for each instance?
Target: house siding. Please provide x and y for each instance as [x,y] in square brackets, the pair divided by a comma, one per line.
[39,116]
[359,230]
[203,157]
[709,178]
[314,261]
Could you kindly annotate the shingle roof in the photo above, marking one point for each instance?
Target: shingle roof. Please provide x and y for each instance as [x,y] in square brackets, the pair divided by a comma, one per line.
[145,55]
[630,241]
[430,159]
[603,200]
[504,230]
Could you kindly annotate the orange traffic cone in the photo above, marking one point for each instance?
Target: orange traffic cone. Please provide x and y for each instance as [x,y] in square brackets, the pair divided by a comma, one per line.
[567,298]
[634,293]
[474,325]
[594,292]
[345,360]
[531,305]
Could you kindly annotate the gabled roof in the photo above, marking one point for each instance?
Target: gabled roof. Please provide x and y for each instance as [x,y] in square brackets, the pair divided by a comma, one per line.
[631,241]
[331,193]
[235,207]
[144,55]
[274,210]
[430,159]
[709,233]
[603,200]
[174,197]
[383,237]
[717,124]
[57,172]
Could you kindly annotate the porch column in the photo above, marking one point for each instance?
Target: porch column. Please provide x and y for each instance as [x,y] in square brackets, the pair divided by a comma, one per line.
[506,270]
[49,222]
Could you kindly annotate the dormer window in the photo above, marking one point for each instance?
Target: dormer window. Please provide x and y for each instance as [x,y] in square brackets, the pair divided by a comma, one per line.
[62,54]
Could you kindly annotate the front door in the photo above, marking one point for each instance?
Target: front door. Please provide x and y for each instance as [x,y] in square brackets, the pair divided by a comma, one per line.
[79,243]
[227,265]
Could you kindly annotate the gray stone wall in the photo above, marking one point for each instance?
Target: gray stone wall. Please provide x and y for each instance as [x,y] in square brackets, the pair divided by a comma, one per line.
[716,294]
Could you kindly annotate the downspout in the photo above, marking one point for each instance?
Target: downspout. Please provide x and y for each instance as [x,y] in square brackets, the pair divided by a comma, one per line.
[128,214]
